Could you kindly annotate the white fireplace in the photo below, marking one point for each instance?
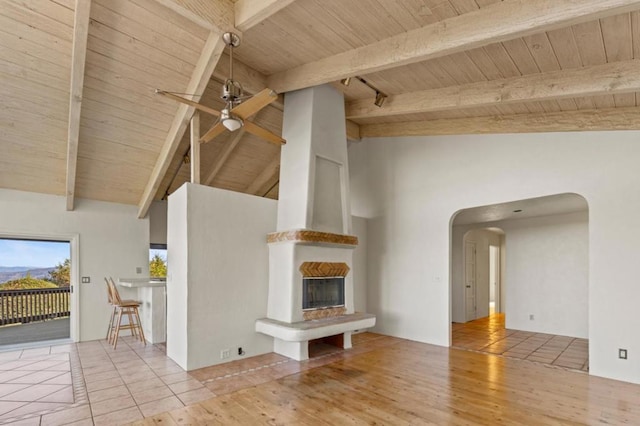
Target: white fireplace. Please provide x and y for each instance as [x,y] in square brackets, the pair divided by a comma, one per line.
[313,239]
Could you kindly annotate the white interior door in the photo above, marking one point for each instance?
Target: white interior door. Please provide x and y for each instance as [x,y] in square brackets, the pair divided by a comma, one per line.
[494,276]
[470,279]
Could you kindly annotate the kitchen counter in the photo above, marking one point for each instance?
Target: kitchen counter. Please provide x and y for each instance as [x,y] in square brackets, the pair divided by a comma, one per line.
[152,294]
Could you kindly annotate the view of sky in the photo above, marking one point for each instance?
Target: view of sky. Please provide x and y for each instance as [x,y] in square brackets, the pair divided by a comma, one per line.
[38,254]
[161,252]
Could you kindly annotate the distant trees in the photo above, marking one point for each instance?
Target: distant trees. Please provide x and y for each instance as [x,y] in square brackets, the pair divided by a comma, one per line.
[158,266]
[61,276]
[26,283]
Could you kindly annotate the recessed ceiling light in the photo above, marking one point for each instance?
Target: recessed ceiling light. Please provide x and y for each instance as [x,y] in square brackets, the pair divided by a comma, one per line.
[517,211]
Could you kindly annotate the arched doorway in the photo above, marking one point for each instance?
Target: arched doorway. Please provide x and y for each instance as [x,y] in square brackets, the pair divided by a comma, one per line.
[542,304]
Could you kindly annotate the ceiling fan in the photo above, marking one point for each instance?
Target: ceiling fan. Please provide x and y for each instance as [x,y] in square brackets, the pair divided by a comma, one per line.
[238,107]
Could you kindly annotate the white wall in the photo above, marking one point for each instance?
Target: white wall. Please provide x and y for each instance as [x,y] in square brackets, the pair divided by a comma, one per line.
[112,242]
[548,274]
[178,277]
[217,280]
[415,185]
[158,222]
[359,265]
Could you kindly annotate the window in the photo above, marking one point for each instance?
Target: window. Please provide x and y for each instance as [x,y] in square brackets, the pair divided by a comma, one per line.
[158,260]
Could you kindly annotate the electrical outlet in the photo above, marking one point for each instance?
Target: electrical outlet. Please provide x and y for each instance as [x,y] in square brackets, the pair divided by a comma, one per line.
[225,353]
[138,269]
[622,353]
[531,317]
[86,280]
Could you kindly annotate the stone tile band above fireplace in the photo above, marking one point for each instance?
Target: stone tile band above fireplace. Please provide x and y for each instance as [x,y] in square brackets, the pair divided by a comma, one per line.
[309,236]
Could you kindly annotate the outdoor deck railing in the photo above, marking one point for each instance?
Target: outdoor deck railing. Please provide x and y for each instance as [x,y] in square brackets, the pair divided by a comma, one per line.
[23,306]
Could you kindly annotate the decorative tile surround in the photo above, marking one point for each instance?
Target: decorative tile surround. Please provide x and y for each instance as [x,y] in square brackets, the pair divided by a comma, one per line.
[324,269]
[308,236]
[324,313]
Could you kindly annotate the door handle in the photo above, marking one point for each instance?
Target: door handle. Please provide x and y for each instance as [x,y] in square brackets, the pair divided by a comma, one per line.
[468,286]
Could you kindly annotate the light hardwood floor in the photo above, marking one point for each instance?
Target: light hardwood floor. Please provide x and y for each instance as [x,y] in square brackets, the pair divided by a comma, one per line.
[393,381]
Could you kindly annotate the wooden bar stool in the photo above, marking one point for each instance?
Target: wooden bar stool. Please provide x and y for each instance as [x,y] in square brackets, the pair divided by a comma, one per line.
[120,307]
[113,311]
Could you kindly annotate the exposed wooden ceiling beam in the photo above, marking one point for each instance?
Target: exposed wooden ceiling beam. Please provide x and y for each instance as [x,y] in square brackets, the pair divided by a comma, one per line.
[266,179]
[353,131]
[78,57]
[607,79]
[249,13]
[215,15]
[224,155]
[201,74]
[568,121]
[498,22]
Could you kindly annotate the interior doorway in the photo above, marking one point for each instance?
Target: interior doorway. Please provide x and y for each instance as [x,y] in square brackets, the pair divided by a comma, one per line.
[470,280]
[494,279]
[482,278]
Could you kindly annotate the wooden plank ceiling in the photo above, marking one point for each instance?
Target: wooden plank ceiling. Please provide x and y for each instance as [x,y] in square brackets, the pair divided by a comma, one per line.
[577,69]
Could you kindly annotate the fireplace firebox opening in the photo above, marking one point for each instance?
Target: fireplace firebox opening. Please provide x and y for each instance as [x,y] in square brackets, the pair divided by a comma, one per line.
[322,292]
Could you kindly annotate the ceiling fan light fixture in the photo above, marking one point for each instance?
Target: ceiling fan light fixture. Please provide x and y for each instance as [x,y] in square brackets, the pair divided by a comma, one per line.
[230,121]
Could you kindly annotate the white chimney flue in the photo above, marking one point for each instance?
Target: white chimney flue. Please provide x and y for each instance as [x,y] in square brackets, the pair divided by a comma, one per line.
[314,174]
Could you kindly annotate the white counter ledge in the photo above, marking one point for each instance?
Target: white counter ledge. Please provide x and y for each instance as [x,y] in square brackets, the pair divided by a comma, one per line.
[142,282]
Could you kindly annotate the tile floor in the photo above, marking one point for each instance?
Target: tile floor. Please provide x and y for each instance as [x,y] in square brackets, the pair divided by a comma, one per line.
[91,384]
[489,335]
[34,381]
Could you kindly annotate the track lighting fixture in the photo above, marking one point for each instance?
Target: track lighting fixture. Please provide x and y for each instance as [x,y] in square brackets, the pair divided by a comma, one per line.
[380,96]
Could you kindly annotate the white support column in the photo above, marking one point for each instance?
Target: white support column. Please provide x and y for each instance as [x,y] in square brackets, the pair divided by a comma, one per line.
[195,148]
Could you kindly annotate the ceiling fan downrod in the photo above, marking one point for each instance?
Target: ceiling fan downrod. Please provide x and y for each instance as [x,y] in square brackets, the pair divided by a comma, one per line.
[231,90]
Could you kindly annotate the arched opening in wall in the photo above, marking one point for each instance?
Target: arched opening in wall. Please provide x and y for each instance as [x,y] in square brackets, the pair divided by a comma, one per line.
[530,258]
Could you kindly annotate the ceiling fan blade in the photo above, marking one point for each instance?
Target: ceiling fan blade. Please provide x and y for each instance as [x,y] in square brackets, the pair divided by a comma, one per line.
[214,131]
[189,102]
[254,104]
[263,133]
